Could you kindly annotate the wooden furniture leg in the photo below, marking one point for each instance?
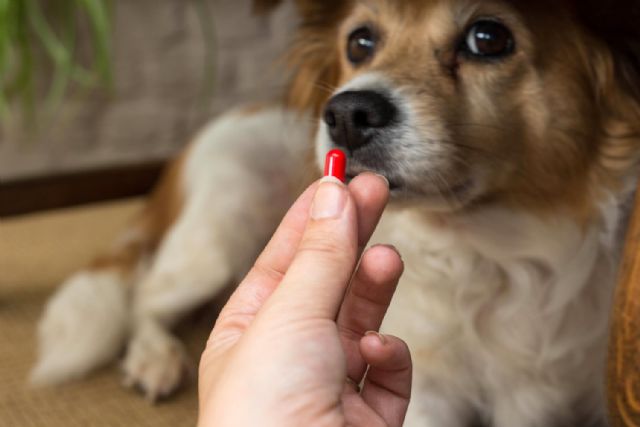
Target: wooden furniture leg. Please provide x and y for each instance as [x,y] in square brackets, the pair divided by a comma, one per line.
[624,347]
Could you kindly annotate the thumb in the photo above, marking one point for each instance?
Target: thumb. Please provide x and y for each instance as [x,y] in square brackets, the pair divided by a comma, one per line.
[316,281]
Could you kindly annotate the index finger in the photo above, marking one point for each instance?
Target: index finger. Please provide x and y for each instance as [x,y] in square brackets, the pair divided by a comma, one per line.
[370,194]
[319,274]
[269,268]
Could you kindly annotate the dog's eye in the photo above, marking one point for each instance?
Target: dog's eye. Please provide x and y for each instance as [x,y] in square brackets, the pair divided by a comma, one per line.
[361,45]
[489,39]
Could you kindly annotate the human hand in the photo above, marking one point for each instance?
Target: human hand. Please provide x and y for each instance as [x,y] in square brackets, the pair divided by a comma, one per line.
[294,331]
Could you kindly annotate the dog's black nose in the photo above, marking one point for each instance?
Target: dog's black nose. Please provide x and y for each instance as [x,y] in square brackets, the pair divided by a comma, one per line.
[354,116]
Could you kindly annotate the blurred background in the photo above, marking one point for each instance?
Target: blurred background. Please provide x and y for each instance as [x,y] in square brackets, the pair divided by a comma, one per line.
[95,96]
[152,76]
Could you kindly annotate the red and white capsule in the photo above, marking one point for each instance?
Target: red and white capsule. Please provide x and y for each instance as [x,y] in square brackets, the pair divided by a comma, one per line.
[335,165]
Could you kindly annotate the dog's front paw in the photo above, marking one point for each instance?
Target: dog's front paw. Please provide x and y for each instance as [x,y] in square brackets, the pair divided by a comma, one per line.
[156,363]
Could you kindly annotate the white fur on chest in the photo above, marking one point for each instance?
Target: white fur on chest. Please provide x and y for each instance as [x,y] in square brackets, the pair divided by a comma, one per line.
[500,298]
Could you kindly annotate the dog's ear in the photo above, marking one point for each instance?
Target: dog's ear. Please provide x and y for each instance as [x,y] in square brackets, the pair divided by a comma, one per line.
[617,24]
[314,57]
[615,56]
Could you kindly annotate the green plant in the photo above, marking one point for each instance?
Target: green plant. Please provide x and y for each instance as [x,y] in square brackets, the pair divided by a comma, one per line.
[39,50]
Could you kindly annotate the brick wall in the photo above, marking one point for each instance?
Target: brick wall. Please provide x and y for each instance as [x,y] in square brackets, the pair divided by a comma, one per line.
[159,100]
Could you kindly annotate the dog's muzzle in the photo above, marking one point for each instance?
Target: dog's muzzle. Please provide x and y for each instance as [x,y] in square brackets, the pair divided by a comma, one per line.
[354,118]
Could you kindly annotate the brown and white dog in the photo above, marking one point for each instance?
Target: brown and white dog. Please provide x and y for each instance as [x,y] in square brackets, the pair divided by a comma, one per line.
[510,133]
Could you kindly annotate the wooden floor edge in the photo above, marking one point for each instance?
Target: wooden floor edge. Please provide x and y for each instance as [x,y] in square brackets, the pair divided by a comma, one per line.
[32,195]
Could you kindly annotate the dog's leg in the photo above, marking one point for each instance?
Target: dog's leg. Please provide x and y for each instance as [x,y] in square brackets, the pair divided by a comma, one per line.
[239,181]
[192,266]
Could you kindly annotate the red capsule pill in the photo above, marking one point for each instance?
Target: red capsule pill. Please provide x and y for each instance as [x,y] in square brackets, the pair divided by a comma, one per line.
[335,165]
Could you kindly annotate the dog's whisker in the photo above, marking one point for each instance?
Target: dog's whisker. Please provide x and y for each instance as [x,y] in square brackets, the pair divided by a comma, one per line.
[325,87]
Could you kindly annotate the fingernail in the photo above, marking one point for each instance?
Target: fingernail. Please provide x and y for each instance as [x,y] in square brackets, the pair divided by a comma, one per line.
[384,178]
[393,248]
[330,199]
[381,337]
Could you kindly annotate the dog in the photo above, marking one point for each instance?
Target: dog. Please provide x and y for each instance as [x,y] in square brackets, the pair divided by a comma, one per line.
[509,132]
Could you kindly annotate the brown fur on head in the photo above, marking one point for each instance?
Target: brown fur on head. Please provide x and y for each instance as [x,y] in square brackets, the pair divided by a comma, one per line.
[549,127]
